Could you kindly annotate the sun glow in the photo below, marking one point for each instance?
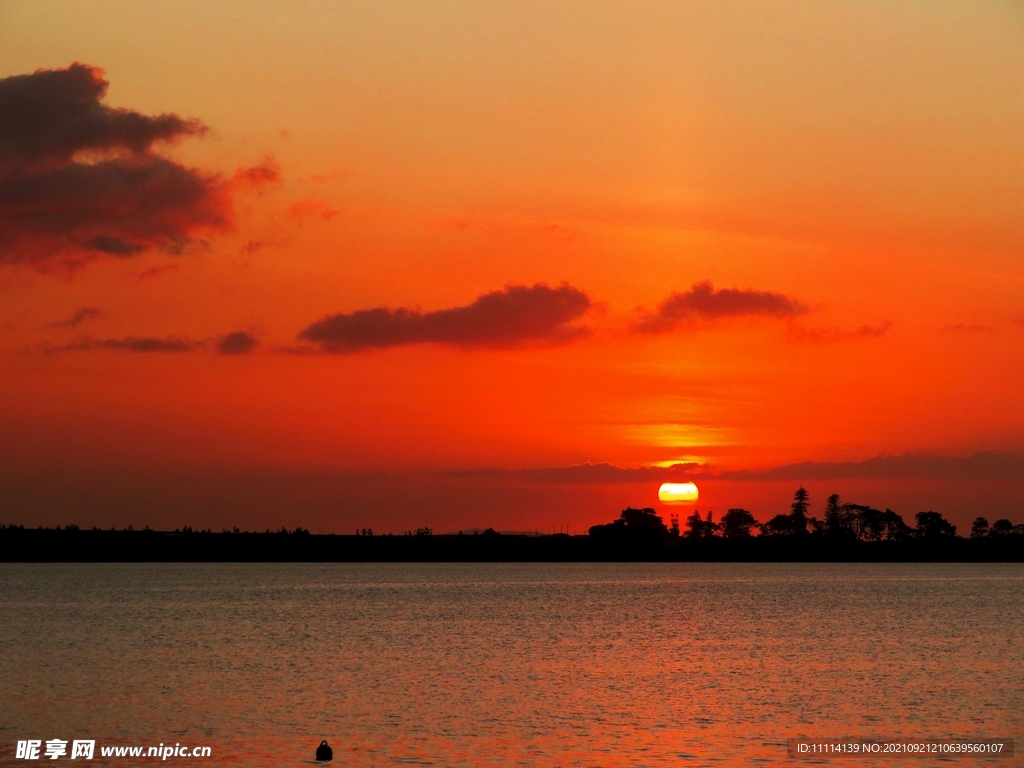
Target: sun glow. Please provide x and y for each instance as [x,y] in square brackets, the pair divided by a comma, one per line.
[677,493]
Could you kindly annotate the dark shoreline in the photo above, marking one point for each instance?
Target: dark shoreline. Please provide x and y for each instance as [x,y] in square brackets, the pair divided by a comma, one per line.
[21,545]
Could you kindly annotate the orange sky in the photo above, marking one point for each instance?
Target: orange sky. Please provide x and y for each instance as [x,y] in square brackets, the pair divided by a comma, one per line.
[862,164]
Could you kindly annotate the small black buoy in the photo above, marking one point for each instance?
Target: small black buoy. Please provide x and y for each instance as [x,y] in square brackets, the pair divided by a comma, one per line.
[324,752]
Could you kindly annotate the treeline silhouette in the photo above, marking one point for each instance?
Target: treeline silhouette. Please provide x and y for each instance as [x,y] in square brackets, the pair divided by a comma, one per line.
[841,522]
[846,532]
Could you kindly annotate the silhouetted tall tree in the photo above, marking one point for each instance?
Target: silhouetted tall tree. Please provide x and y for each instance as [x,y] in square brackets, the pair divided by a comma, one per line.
[798,511]
[979,528]
[837,519]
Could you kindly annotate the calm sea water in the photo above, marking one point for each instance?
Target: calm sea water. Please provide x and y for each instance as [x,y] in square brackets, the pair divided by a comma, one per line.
[510,664]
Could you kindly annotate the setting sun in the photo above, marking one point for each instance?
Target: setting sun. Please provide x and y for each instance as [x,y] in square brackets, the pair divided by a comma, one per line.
[677,493]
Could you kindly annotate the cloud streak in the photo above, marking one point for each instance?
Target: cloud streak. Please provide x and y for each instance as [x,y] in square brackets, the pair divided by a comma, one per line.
[79,180]
[703,304]
[590,473]
[983,465]
[234,343]
[835,334]
[143,344]
[79,317]
[514,316]
[967,328]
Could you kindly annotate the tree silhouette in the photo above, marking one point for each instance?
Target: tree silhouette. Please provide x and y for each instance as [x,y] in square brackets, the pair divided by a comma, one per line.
[780,525]
[1001,527]
[736,524]
[932,525]
[798,511]
[895,528]
[694,526]
[867,523]
[837,519]
[643,518]
[979,528]
[872,524]
[639,527]
[701,528]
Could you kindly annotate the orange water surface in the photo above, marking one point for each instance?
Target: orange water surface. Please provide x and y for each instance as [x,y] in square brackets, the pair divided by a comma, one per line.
[509,664]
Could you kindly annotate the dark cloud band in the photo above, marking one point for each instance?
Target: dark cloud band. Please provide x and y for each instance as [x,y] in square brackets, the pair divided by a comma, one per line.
[515,316]
[235,343]
[983,465]
[79,317]
[132,344]
[702,303]
[976,466]
[590,473]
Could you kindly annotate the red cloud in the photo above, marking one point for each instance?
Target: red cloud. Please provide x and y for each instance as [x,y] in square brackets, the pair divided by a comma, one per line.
[702,303]
[79,179]
[85,313]
[51,115]
[149,274]
[305,209]
[132,344]
[512,317]
[237,343]
[834,333]
[234,343]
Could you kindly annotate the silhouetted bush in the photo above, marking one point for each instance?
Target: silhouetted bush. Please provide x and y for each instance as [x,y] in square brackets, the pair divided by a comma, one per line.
[635,526]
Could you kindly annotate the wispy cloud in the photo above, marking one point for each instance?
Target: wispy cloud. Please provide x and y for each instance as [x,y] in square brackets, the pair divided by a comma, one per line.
[976,466]
[967,328]
[983,465]
[834,333]
[234,343]
[306,209]
[132,344]
[152,272]
[590,473]
[79,317]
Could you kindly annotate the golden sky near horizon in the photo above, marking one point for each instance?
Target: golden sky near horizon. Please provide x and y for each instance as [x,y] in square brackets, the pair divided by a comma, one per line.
[853,172]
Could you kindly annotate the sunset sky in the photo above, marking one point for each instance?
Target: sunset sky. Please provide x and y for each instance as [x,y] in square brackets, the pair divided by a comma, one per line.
[457,264]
